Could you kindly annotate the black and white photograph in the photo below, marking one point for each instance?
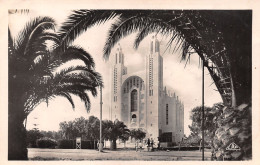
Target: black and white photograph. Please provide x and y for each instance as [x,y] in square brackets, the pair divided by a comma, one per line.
[127,84]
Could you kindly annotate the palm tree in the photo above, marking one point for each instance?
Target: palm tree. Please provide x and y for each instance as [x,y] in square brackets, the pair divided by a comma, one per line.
[115,130]
[222,39]
[35,75]
[224,45]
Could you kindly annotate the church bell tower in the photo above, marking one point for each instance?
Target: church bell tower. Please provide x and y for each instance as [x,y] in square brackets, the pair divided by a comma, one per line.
[118,69]
[154,84]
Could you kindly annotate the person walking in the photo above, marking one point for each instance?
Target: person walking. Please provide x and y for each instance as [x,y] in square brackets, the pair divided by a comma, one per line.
[152,143]
[148,144]
[136,145]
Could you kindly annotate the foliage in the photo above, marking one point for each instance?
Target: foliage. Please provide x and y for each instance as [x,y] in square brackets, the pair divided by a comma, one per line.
[32,136]
[93,128]
[203,32]
[35,75]
[235,126]
[68,130]
[46,143]
[137,134]
[87,129]
[90,130]
[52,134]
[212,115]
[223,126]
[115,130]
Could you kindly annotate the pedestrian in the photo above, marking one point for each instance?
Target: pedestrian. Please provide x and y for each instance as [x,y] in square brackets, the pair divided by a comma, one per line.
[158,146]
[98,145]
[148,144]
[141,145]
[152,143]
[136,145]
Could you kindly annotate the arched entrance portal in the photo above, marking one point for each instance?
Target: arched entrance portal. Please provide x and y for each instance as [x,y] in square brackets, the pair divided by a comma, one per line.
[133,107]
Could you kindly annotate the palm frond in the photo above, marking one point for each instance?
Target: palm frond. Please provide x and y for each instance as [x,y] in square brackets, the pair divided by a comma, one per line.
[84,97]
[24,35]
[68,97]
[80,72]
[79,21]
[37,34]
[76,52]
[151,28]
[126,26]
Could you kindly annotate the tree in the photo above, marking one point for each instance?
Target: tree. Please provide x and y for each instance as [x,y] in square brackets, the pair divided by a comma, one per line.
[212,115]
[114,130]
[223,45]
[125,136]
[137,134]
[92,129]
[80,127]
[35,76]
[106,129]
[73,129]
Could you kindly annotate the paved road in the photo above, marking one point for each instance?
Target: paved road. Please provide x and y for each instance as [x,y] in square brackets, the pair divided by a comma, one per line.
[86,154]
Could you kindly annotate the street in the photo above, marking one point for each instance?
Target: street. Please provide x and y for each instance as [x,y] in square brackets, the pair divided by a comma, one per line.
[120,154]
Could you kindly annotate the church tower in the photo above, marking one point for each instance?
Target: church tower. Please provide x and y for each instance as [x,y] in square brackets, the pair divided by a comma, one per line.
[118,69]
[154,92]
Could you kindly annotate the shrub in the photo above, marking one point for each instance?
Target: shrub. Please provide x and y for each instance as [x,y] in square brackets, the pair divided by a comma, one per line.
[31,137]
[46,143]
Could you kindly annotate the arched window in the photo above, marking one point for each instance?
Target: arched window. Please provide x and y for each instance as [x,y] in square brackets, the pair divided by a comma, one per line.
[134,100]
[133,118]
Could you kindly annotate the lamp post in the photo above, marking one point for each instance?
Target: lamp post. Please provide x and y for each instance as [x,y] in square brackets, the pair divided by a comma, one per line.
[202,124]
[100,140]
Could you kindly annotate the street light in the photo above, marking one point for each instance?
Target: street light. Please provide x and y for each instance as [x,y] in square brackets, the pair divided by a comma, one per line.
[100,141]
[202,124]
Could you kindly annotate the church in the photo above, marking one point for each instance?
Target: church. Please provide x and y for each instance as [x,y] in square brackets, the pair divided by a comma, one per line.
[141,101]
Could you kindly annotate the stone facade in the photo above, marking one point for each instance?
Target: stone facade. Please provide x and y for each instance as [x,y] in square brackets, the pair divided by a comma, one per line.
[140,101]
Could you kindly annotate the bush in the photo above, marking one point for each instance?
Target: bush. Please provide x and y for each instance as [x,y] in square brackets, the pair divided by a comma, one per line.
[31,137]
[46,143]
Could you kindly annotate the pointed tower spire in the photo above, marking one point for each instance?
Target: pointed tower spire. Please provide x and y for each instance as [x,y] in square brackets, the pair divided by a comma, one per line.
[155,45]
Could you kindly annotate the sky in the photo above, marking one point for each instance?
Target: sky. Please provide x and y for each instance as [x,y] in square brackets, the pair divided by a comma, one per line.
[184,81]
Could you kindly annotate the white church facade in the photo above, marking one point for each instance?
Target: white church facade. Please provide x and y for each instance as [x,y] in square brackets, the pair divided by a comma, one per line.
[140,100]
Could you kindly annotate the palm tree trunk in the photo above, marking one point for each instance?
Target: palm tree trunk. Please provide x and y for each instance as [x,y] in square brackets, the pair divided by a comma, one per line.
[17,149]
[113,144]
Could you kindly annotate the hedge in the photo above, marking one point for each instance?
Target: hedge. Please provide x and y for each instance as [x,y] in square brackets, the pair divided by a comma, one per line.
[71,144]
[46,143]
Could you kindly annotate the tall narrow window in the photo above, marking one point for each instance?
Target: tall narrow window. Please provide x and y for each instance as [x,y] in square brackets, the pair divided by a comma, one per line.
[167,121]
[134,100]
